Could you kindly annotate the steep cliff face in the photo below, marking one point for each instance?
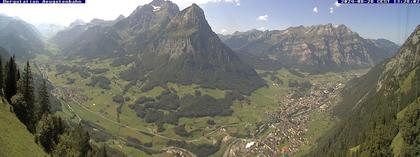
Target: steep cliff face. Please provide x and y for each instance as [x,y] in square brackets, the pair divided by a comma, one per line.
[188,51]
[167,45]
[314,47]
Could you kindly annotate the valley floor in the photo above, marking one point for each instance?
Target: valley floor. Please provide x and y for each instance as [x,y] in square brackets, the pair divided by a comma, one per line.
[286,117]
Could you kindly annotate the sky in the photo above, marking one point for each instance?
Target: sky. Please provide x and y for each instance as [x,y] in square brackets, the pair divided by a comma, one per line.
[389,21]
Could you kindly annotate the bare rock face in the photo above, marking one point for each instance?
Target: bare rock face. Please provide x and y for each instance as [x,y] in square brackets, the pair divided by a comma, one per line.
[167,45]
[321,46]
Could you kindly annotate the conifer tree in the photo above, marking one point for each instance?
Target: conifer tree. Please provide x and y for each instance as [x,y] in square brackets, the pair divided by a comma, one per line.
[49,129]
[43,106]
[19,107]
[17,74]
[27,90]
[11,79]
[74,143]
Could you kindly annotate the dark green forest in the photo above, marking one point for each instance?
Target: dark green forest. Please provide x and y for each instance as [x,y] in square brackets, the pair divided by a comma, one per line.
[56,136]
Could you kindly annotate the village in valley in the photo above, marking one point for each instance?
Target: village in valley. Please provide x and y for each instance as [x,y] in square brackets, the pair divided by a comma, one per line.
[287,127]
[285,131]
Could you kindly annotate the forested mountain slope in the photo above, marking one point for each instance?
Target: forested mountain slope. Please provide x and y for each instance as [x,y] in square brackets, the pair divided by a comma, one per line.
[381,110]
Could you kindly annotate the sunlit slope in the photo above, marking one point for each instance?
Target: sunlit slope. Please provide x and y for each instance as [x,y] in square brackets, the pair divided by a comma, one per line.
[15,139]
[372,122]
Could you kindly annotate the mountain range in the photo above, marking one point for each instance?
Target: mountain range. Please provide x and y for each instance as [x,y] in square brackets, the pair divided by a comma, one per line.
[314,48]
[20,38]
[379,113]
[165,45]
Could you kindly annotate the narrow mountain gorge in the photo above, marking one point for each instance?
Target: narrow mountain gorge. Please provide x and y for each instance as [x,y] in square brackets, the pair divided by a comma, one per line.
[380,110]
[316,48]
[165,45]
[49,30]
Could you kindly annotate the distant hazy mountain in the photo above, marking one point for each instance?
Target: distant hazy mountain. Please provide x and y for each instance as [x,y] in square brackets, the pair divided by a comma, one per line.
[76,29]
[49,30]
[315,48]
[19,37]
[164,44]
[380,111]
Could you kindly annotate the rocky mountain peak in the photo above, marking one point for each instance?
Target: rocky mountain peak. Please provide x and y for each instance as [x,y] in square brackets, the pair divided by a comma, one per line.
[77,22]
[343,27]
[189,21]
[120,18]
[328,29]
[158,2]
[96,21]
[326,46]
[149,18]
[164,5]
[193,14]
[141,11]
[191,17]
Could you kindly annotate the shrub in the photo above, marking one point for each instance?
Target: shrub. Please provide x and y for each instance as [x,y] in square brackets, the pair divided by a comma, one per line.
[180,130]
[118,99]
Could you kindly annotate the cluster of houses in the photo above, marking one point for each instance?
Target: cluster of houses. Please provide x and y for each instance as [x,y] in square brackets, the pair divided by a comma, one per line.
[288,126]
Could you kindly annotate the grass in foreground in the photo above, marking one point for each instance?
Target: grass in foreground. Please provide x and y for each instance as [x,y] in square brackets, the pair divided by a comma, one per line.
[15,139]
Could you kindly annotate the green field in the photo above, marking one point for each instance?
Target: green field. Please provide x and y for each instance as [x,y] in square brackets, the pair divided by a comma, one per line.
[95,104]
[15,139]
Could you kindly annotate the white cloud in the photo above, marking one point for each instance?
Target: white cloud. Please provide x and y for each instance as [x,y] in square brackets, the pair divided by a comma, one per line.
[262,29]
[315,9]
[64,14]
[224,31]
[263,18]
[236,2]
[336,4]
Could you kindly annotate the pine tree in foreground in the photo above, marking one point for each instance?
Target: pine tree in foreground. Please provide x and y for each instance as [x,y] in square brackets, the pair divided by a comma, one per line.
[11,79]
[28,94]
[43,102]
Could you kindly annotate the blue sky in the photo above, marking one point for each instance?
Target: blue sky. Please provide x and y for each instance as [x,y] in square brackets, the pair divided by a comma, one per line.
[393,22]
